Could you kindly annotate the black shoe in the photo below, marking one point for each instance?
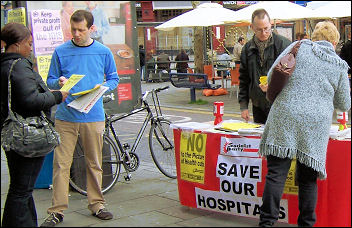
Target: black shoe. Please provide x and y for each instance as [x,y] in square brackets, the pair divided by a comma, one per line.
[103,214]
[52,220]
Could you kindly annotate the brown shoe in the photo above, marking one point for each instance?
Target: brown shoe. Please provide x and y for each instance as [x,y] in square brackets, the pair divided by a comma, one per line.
[103,214]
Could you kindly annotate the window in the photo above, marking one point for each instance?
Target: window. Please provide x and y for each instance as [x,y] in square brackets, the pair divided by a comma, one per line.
[139,15]
[164,15]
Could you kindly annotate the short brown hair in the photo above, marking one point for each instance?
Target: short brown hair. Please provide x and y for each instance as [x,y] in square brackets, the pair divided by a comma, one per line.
[298,35]
[260,13]
[303,35]
[80,15]
[13,33]
[326,30]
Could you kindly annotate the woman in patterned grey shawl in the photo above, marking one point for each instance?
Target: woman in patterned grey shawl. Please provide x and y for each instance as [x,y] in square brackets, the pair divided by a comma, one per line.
[299,122]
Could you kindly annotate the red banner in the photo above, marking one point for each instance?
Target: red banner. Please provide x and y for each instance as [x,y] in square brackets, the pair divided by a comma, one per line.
[229,177]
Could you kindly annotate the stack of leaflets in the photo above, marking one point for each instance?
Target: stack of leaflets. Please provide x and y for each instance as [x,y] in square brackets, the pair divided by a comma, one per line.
[243,128]
[88,98]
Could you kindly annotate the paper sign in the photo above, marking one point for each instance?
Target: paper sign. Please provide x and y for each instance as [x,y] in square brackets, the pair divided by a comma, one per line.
[73,80]
[192,156]
[47,32]
[17,15]
[124,92]
[43,63]
[290,184]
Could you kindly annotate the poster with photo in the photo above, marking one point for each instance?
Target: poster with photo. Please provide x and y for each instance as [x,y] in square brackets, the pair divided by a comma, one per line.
[114,22]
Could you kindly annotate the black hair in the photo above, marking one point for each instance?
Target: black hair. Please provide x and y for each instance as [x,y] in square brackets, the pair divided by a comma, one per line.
[13,33]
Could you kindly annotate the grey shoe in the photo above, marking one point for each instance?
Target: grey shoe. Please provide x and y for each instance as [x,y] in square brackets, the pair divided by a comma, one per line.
[103,214]
[52,220]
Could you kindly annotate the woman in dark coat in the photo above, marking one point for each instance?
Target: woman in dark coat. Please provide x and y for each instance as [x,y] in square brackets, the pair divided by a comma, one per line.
[182,66]
[29,96]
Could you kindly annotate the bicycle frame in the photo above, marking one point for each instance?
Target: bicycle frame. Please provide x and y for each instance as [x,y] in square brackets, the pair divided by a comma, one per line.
[149,118]
[121,152]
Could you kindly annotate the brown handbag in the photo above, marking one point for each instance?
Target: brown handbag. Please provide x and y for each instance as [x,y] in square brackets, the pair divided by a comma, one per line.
[281,73]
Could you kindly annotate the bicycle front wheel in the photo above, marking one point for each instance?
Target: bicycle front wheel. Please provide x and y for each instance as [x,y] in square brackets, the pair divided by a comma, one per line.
[111,165]
[161,144]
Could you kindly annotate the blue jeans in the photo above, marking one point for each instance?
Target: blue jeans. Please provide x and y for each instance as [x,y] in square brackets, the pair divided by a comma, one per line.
[274,185]
[142,73]
[19,210]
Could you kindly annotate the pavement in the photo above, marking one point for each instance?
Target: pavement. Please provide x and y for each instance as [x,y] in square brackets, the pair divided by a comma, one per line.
[149,199]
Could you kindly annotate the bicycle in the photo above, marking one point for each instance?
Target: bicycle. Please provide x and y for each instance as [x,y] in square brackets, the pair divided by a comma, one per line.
[115,153]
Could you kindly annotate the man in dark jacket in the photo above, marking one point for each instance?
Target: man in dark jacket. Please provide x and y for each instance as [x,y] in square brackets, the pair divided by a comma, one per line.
[142,60]
[257,57]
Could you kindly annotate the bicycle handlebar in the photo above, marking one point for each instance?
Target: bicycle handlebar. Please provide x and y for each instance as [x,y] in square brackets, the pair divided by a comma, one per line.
[160,89]
[108,99]
[156,91]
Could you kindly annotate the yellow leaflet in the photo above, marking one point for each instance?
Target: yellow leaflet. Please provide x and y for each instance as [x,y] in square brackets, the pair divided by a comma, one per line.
[73,80]
[85,91]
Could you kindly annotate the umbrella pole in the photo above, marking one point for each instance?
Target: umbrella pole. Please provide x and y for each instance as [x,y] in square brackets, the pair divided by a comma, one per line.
[211,60]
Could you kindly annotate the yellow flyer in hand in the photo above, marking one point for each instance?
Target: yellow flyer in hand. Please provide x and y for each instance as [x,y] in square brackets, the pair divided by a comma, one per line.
[73,80]
[86,91]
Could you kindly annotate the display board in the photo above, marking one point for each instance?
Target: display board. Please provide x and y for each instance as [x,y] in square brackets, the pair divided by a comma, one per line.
[115,20]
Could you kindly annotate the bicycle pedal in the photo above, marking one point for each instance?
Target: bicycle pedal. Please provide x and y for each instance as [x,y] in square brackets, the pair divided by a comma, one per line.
[126,146]
[128,177]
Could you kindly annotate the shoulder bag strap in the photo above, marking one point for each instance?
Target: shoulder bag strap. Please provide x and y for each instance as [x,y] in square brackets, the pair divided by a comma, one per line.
[295,48]
[9,86]
[9,93]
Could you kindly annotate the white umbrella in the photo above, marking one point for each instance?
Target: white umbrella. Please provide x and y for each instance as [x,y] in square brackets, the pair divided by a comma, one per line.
[206,14]
[334,9]
[278,10]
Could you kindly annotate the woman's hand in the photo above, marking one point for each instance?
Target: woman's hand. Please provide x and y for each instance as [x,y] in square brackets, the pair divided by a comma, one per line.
[264,88]
[64,95]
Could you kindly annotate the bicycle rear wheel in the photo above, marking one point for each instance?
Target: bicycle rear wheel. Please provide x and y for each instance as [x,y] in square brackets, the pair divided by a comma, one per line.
[111,166]
[161,144]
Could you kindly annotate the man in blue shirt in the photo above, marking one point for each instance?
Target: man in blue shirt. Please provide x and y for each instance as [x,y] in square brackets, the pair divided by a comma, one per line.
[84,56]
[101,24]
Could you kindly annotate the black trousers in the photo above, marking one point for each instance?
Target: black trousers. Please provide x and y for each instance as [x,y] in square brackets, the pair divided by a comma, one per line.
[260,114]
[274,185]
[19,210]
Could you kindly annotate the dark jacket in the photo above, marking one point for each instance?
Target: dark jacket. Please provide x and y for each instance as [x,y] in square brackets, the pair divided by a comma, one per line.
[345,53]
[182,57]
[29,94]
[141,57]
[163,57]
[250,70]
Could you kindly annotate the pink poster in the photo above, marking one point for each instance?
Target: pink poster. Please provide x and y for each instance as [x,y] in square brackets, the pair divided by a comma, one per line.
[124,92]
[47,32]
